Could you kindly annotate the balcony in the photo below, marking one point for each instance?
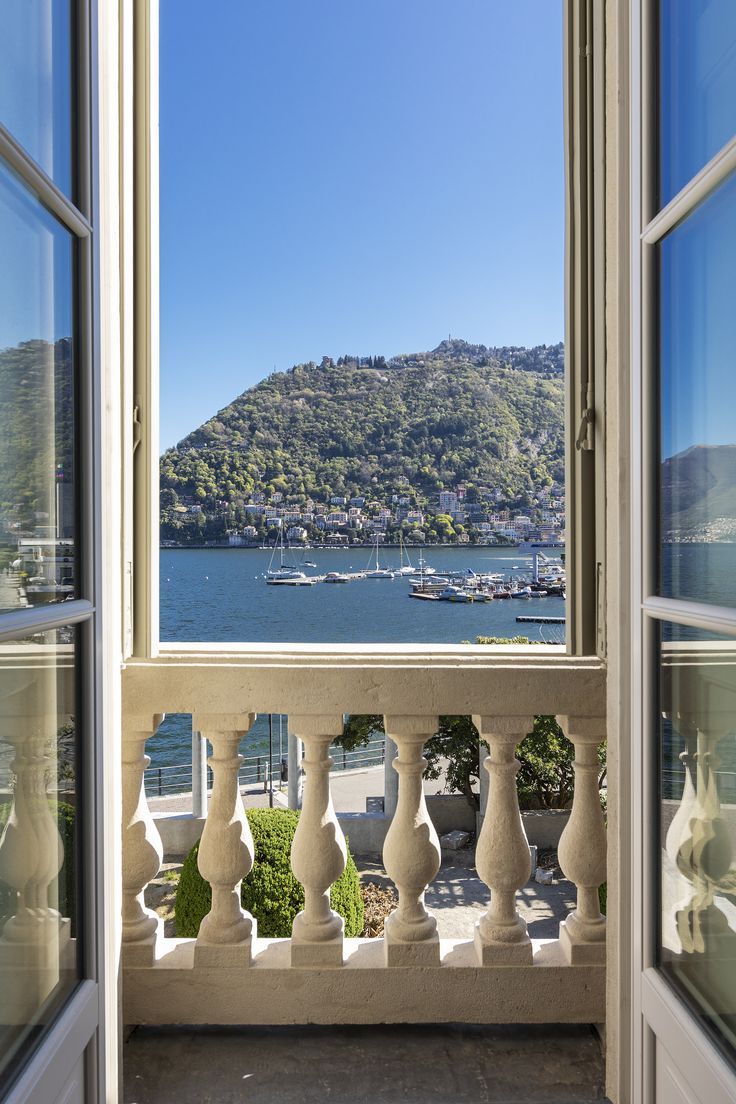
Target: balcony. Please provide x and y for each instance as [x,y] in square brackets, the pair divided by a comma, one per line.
[495,974]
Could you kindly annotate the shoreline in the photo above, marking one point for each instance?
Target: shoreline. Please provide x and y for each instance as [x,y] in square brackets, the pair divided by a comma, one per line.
[350,547]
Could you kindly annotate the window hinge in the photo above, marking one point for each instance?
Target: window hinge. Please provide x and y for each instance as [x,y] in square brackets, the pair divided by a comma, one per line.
[137,428]
[584,439]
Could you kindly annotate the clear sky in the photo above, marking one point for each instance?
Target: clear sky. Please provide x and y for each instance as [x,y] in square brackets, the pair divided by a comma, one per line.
[349,176]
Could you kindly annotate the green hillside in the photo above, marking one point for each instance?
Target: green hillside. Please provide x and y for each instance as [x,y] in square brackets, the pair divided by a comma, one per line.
[413,425]
[36,432]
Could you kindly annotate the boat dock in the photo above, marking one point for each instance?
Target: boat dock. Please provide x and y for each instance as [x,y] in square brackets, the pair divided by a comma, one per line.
[541,620]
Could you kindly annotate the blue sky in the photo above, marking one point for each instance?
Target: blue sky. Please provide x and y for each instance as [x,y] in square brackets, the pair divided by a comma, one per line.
[343,176]
[698,327]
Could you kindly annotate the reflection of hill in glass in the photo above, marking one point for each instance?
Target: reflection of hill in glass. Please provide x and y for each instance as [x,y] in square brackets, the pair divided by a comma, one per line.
[369,426]
[36,428]
[698,489]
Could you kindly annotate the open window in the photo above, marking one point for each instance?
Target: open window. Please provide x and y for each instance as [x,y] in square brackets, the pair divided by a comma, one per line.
[233,480]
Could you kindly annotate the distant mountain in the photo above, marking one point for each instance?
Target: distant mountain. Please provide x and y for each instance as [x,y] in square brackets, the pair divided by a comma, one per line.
[698,493]
[372,426]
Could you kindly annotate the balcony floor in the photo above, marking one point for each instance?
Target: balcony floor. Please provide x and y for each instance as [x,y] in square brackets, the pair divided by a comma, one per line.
[415,1064]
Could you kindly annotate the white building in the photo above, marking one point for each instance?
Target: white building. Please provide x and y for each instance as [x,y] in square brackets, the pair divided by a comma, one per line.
[337,519]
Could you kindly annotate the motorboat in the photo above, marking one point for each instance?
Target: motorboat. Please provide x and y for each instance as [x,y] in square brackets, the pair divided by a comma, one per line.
[336,577]
[455,594]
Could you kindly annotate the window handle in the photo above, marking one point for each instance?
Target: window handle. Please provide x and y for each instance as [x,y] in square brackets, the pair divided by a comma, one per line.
[584,439]
[137,428]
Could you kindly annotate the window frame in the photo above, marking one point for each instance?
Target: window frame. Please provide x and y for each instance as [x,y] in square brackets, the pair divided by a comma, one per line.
[658,1011]
[585,352]
[78,1031]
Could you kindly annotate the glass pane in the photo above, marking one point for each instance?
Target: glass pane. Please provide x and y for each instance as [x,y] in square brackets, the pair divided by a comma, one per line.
[697,87]
[37,478]
[36,82]
[697,332]
[39,820]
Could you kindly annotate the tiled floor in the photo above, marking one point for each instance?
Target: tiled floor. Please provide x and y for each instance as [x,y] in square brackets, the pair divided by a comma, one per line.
[437,1064]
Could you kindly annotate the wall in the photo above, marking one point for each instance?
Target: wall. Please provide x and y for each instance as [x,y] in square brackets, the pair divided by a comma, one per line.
[367,831]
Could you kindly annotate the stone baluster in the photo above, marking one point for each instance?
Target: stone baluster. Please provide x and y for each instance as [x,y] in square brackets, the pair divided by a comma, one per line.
[142,849]
[294,760]
[199,775]
[226,849]
[318,852]
[390,780]
[43,887]
[679,827]
[411,853]
[34,938]
[25,862]
[502,854]
[704,855]
[582,848]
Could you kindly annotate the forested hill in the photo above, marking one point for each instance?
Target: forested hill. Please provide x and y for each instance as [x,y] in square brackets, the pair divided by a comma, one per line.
[370,426]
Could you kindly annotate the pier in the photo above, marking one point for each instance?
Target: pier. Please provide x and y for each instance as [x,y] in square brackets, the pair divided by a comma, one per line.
[530,620]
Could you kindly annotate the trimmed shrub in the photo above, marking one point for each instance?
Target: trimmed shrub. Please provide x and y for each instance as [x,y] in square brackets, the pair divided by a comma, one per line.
[270,892]
[64,815]
[603,897]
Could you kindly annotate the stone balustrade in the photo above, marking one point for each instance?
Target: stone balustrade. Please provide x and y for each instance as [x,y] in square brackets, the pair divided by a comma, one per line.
[496,973]
[37,918]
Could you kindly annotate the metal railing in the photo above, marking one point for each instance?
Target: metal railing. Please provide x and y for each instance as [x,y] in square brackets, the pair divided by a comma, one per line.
[673,784]
[256,770]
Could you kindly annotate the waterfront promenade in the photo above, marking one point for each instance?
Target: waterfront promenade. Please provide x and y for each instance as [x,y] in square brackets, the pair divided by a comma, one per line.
[350,790]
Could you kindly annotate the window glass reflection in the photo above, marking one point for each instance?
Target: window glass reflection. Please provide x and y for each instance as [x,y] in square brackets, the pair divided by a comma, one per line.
[37,476]
[36,82]
[697,329]
[39,826]
[697,839]
[697,87]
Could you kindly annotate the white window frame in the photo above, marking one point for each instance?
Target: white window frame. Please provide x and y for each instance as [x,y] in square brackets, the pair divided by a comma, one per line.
[657,1011]
[585,345]
[80,1045]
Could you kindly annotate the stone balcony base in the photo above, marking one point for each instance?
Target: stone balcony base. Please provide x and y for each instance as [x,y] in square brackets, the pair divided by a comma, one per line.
[364,990]
[419,1064]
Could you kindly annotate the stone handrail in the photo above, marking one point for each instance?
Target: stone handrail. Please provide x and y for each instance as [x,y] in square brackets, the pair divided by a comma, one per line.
[229,975]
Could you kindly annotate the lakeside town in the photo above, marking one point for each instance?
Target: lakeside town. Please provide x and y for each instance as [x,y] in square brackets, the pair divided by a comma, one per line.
[467,514]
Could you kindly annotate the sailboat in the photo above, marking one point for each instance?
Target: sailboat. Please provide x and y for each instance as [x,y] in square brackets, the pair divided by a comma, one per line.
[424,568]
[404,568]
[283,573]
[377,572]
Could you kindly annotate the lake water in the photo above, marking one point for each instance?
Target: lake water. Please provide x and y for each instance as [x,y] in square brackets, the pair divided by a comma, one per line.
[220,594]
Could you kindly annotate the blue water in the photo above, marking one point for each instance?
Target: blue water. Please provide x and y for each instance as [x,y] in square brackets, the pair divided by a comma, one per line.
[220,594]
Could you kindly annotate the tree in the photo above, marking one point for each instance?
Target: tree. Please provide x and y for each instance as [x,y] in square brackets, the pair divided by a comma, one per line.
[545,776]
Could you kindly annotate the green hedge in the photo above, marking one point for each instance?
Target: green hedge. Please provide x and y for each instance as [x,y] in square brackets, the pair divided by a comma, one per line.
[64,816]
[270,892]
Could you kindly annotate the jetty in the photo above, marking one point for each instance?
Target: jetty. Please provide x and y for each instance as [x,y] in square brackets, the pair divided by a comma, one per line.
[530,620]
